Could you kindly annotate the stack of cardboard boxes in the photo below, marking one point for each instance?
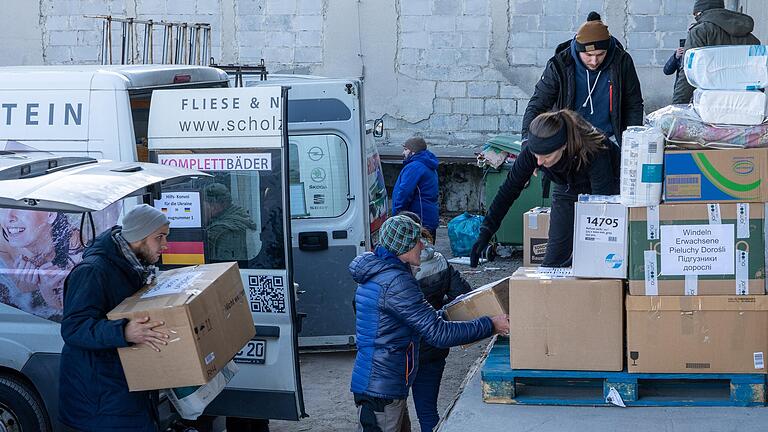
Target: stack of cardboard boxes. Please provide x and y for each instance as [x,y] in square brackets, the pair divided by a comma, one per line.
[694,265]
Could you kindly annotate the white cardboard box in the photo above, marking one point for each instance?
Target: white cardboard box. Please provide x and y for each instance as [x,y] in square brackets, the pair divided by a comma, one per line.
[600,238]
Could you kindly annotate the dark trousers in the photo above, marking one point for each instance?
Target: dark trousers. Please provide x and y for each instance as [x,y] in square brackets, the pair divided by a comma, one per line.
[425,389]
[560,243]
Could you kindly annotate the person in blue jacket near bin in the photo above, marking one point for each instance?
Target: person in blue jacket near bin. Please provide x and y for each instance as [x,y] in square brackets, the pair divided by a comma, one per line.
[572,154]
[392,316]
[416,188]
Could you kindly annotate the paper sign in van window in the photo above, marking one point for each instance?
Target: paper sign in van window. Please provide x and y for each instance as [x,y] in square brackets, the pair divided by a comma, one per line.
[219,162]
[181,208]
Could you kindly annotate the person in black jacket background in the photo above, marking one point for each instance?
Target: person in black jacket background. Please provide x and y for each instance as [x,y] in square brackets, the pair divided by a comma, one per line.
[577,158]
[441,284]
[593,75]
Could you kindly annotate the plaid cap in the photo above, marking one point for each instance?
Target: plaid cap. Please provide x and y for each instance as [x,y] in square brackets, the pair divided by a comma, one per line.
[399,234]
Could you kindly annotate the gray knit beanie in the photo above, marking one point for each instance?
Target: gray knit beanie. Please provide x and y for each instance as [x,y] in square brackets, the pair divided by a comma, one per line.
[399,234]
[142,221]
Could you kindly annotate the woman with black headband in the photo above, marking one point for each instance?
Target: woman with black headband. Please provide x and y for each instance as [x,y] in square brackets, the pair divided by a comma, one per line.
[577,158]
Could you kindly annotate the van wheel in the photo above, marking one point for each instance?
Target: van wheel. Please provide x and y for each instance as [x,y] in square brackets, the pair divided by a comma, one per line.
[20,408]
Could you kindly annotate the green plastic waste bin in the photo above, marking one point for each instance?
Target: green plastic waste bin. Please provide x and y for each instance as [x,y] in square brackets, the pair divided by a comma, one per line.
[511,230]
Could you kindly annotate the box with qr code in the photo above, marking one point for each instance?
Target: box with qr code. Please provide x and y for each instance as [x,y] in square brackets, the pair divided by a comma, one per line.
[205,312]
[697,334]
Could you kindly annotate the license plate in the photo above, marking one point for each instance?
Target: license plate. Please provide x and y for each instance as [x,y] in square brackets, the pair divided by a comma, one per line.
[254,352]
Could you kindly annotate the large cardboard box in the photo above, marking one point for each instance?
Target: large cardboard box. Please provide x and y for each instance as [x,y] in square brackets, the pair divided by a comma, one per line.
[697,249]
[535,235]
[703,334]
[565,323]
[488,300]
[600,238]
[205,311]
[716,175]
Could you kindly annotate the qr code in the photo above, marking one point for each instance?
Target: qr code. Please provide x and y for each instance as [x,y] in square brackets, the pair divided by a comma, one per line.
[266,293]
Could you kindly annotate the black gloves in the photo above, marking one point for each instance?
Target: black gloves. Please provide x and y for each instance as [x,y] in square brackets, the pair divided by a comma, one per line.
[479,248]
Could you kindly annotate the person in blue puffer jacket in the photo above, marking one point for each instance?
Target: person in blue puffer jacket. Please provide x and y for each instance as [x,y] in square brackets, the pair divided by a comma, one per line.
[416,188]
[392,317]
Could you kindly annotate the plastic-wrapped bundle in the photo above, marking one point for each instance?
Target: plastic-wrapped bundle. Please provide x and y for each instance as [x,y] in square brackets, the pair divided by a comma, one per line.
[642,159]
[733,107]
[728,67]
[190,402]
[683,128]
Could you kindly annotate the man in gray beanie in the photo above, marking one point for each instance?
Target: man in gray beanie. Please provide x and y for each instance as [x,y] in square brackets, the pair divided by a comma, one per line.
[93,392]
[714,25]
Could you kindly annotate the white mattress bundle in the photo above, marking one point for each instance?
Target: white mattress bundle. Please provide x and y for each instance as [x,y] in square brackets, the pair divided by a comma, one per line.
[642,159]
[729,81]
[733,107]
[727,67]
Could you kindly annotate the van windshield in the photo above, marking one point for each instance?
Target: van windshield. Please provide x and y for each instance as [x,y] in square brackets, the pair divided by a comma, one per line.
[237,215]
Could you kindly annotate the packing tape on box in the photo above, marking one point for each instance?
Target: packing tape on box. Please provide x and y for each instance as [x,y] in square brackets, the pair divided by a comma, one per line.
[714,214]
[651,273]
[691,285]
[742,272]
[742,220]
[653,223]
[533,221]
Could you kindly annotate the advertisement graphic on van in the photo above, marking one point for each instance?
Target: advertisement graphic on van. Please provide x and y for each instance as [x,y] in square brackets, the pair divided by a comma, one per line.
[38,250]
[376,189]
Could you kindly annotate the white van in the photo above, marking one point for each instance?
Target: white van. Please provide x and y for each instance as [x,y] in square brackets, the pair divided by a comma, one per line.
[327,172]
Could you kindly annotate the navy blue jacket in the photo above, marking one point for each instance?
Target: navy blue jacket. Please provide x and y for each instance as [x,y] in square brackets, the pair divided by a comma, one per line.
[93,393]
[672,65]
[416,188]
[392,316]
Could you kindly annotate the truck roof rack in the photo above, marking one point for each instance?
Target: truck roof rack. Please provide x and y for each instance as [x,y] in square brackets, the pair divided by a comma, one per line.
[238,70]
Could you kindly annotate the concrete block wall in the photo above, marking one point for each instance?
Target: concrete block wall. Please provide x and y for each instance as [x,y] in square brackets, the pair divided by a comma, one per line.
[455,71]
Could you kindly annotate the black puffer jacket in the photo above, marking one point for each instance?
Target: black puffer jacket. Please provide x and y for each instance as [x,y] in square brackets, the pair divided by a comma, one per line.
[441,284]
[557,89]
[715,27]
[599,177]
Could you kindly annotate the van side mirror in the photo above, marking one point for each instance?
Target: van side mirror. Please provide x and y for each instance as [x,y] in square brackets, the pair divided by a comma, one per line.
[378,128]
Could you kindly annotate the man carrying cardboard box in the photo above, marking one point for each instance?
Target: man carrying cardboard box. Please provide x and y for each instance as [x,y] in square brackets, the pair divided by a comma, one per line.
[93,393]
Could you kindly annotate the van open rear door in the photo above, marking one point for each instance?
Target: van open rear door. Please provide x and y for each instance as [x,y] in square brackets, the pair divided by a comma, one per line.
[45,182]
[241,213]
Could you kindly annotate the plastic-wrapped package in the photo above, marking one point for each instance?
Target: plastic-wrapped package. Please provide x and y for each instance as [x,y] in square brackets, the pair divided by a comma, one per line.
[683,128]
[732,107]
[642,159]
[727,67]
[190,402]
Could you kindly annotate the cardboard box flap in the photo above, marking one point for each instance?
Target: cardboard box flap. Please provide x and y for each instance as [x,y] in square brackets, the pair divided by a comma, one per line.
[696,303]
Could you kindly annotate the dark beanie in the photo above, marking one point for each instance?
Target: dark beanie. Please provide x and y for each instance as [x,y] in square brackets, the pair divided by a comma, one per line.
[703,5]
[593,34]
[415,144]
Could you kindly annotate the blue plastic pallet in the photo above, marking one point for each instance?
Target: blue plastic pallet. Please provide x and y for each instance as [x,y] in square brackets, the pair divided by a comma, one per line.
[501,384]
